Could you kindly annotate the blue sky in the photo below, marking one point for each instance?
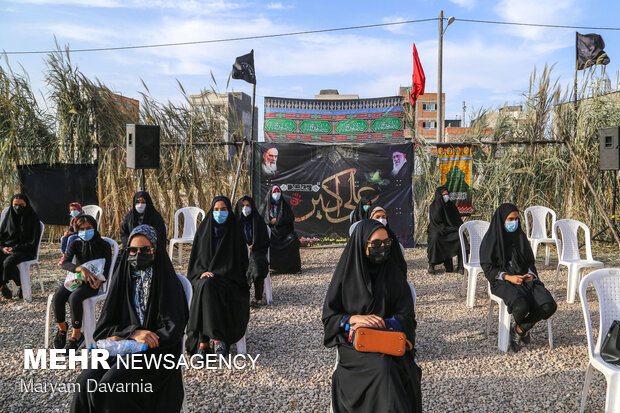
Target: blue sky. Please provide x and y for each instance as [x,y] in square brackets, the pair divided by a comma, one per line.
[484,65]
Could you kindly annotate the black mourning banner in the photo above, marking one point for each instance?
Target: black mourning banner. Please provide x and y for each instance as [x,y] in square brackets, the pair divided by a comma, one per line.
[51,188]
[243,68]
[323,184]
[590,51]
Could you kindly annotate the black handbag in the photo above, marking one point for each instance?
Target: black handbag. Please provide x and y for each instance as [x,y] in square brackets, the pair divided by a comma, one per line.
[610,350]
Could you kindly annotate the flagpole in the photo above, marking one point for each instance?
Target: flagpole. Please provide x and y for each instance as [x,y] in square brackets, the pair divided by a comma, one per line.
[252,142]
[576,72]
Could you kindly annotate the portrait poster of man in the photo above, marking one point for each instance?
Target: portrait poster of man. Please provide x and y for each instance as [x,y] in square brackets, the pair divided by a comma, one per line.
[324,183]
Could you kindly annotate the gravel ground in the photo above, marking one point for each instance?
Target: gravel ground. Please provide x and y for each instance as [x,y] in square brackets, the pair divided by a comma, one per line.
[462,368]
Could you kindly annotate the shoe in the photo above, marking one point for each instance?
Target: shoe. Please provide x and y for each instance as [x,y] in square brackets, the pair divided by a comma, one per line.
[62,259]
[20,294]
[515,338]
[75,343]
[219,347]
[256,304]
[525,338]
[6,292]
[431,269]
[460,270]
[60,340]
[449,266]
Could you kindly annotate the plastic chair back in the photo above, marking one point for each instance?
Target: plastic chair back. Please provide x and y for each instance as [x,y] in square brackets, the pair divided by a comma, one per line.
[476,230]
[568,248]
[94,211]
[114,245]
[537,227]
[190,218]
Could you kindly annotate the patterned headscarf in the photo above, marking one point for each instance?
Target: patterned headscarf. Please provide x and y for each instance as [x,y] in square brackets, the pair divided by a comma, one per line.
[141,280]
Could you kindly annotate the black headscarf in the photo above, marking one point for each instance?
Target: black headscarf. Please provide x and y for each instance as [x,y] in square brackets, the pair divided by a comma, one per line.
[150,217]
[94,248]
[444,213]
[230,259]
[503,251]
[253,224]
[22,232]
[166,313]
[360,287]
[359,213]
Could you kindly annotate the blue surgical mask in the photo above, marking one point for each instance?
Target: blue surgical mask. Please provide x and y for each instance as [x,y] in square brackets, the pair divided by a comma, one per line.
[86,235]
[511,226]
[220,216]
[74,213]
[366,207]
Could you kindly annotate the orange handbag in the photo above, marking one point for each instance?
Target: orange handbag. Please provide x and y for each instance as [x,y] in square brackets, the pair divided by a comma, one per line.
[375,340]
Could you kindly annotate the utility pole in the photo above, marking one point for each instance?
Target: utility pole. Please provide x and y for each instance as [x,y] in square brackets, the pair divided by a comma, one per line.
[439,76]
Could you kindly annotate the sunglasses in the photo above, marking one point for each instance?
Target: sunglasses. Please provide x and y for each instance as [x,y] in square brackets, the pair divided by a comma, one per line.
[142,250]
[376,243]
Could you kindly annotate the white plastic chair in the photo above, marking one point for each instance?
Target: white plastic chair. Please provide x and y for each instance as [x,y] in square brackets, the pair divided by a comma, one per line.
[607,285]
[476,231]
[503,328]
[536,230]
[413,295]
[94,211]
[88,305]
[568,254]
[187,287]
[190,218]
[24,272]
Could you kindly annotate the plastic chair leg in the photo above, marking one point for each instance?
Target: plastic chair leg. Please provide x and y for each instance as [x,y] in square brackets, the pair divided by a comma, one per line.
[547,253]
[24,276]
[555,283]
[612,399]
[88,323]
[573,280]
[268,289]
[550,333]
[586,387]
[180,248]
[241,346]
[489,315]
[471,287]
[503,329]
[170,249]
[47,321]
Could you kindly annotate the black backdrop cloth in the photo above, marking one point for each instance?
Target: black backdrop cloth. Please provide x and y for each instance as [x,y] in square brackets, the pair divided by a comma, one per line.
[220,306]
[443,229]
[52,187]
[370,382]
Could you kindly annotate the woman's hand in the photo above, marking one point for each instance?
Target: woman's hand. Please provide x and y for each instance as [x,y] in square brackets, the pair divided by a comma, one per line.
[206,274]
[367,321]
[146,337]
[273,221]
[89,277]
[515,279]
[7,250]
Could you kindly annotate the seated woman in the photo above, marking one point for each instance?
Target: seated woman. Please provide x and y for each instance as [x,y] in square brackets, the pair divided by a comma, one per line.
[361,211]
[20,232]
[443,233]
[256,238]
[379,214]
[75,210]
[146,303]
[89,246]
[507,260]
[218,264]
[284,252]
[368,289]
[143,213]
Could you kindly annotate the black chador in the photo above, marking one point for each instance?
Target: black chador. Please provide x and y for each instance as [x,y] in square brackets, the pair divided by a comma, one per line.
[150,216]
[443,231]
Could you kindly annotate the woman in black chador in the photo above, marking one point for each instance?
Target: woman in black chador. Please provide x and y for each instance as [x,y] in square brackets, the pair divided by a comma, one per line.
[256,238]
[284,252]
[507,260]
[20,232]
[362,210]
[220,308]
[143,212]
[146,303]
[369,289]
[443,233]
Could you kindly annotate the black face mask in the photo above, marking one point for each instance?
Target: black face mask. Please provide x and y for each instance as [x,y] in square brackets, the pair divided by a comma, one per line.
[18,209]
[141,261]
[377,255]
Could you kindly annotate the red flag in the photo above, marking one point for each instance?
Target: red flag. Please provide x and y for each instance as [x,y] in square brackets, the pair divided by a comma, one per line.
[418,78]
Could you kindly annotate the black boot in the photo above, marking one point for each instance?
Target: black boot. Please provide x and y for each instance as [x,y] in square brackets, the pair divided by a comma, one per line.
[449,266]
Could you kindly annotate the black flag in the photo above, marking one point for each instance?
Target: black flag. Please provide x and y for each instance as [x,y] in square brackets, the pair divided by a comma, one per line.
[243,68]
[590,51]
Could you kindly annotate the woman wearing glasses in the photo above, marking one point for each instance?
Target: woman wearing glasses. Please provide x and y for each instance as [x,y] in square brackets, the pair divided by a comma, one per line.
[220,308]
[369,289]
[146,303]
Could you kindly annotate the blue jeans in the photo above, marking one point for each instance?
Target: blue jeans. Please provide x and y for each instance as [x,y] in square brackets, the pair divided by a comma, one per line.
[65,241]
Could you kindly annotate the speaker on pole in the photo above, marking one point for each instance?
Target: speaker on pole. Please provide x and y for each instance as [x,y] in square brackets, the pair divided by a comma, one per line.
[142,146]
[609,148]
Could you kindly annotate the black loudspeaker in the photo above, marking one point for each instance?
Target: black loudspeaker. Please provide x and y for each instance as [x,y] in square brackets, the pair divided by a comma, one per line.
[142,146]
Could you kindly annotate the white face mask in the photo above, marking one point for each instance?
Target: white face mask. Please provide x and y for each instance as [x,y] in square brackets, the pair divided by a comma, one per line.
[246,210]
[446,198]
[382,220]
[276,196]
[140,208]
